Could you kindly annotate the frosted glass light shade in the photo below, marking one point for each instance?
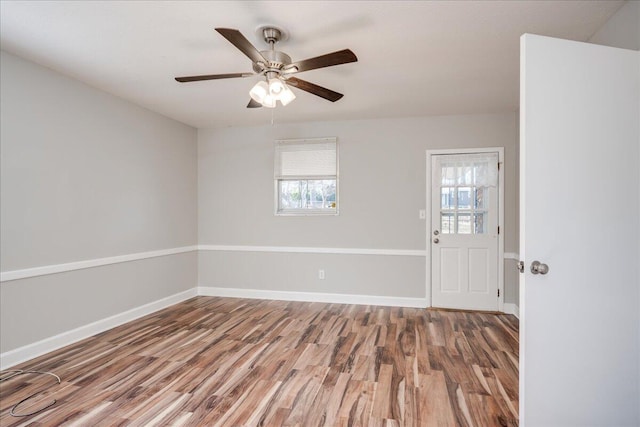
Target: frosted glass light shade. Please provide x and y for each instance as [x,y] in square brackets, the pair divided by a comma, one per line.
[276,86]
[259,92]
[287,96]
[269,101]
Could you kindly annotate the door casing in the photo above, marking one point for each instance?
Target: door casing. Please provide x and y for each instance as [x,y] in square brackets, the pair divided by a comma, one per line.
[430,154]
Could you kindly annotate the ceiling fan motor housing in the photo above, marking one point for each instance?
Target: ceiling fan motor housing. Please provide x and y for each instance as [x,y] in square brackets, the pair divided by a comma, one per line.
[277,60]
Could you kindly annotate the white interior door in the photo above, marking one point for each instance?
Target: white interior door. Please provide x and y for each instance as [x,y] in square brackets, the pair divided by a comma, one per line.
[579,214]
[464,230]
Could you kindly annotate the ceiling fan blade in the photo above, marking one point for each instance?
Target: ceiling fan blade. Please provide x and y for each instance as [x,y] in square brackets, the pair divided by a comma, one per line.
[330,59]
[238,40]
[253,104]
[212,77]
[320,91]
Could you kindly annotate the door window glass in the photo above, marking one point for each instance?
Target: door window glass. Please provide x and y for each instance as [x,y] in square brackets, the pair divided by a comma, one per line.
[464,192]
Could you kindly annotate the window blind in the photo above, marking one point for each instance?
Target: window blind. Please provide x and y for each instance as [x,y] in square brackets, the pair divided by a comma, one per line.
[306,159]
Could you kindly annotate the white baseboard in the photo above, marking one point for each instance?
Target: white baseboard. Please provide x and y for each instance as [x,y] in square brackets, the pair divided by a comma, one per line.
[511,308]
[313,297]
[30,351]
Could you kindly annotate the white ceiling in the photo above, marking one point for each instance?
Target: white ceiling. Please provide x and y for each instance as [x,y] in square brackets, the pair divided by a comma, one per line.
[416,58]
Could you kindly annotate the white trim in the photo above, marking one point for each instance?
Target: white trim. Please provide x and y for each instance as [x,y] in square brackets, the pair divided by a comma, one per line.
[30,351]
[6,276]
[511,308]
[512,255]
[313,250]
[429,210]
[312,297]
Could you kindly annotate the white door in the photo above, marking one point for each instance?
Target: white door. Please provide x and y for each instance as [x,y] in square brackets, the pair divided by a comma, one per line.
[579,215]
[464,230]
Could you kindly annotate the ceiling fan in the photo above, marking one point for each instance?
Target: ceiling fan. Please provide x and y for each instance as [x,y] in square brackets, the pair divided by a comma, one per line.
[277,68]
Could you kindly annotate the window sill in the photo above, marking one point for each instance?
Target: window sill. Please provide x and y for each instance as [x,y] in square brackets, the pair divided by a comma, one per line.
[307,213]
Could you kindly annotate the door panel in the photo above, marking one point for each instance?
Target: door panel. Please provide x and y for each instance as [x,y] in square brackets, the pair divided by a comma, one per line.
[450,261]
[579,210]
[478,271]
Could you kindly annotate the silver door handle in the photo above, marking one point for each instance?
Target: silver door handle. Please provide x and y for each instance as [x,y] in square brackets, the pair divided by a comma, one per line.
[538,268]
[436,240]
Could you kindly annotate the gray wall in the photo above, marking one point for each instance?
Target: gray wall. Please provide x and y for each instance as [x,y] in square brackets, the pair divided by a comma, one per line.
[87,175]
[382,187]
[37,308]
[622,29]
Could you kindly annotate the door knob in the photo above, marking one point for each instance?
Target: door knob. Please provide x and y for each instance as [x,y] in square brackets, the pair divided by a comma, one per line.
[538,268]
[436,240]
[436,232]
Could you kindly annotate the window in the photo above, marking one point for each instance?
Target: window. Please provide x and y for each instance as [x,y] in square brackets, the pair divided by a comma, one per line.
[465,183]
[306,176]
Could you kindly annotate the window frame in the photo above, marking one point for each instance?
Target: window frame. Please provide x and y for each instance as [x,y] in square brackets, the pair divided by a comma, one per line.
[276,181]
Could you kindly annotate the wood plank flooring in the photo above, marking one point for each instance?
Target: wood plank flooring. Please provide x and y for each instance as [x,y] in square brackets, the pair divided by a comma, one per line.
[237,362]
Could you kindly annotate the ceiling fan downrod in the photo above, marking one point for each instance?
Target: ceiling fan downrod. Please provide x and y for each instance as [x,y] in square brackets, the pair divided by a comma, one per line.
[271,36]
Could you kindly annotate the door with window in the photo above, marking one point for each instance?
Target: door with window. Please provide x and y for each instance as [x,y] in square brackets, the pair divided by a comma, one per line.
[464,230]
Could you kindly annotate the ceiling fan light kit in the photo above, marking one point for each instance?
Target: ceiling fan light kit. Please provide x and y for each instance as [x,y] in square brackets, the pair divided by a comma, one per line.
[268,94]
[277,69]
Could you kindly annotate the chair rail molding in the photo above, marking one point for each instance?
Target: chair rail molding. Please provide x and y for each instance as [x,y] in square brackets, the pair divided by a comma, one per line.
[6,276]
[313,250]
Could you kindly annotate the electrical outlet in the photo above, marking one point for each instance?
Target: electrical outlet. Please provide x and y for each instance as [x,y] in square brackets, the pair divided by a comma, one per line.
[423,214]
[321,274]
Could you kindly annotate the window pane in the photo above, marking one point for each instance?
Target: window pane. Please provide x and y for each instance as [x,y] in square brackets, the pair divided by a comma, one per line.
[322,194]
[307,194]
[448,176]
[290,195]
[465,175]
[464,198]
[479,201]
[479,223]
[447,222]
[464,223]
[447,197]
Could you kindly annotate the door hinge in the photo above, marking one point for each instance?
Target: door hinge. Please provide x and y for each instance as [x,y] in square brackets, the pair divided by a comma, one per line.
[498,165]
[498,293]
[498,229]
